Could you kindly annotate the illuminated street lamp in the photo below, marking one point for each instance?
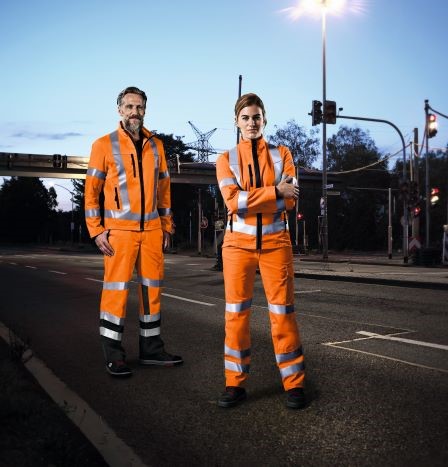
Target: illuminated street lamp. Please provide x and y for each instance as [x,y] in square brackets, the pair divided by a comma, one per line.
[320,8]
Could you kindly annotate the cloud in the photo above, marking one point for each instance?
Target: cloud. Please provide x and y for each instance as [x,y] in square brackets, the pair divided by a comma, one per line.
[47,136]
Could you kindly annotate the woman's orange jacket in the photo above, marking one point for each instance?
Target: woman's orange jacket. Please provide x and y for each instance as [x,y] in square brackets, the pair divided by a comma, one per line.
[136,190]
[247,176]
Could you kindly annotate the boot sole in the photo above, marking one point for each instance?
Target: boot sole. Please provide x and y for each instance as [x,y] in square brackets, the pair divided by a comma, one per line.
[228,404]
[160,363]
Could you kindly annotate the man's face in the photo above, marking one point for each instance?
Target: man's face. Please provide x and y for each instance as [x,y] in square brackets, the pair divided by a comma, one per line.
[132,111]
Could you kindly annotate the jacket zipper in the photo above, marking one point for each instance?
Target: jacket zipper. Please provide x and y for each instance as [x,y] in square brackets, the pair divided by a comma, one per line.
[133,164]
[257,185]
[251,179]
[142,186]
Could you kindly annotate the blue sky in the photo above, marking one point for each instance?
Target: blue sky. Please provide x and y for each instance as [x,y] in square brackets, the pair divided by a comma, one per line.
[63,65]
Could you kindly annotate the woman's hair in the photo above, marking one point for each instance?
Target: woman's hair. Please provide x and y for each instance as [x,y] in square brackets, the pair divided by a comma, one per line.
[247,100]
[131,90]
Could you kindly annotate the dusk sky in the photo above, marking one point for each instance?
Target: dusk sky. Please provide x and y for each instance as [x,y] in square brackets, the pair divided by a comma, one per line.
[63,64]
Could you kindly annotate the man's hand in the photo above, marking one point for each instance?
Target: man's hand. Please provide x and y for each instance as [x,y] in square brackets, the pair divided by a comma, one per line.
[103,243]
[286,189]
[166,240]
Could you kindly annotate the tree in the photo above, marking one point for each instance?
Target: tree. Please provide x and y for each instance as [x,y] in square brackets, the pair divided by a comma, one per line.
[358,218]
[27,210]
[304,148]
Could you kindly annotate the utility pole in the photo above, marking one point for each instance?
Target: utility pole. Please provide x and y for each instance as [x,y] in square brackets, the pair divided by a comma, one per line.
[415,176]
[427,201]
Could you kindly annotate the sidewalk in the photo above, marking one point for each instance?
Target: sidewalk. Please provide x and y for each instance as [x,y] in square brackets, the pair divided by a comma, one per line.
[371,268]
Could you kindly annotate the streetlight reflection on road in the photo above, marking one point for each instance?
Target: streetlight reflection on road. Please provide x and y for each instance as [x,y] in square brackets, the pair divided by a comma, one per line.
[321,8]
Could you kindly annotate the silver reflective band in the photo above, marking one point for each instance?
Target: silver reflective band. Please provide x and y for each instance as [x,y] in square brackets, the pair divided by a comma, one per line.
[92,213]
[111,318]
[237,307]
[227,181]
[242,201]
[150,318]
[284,357]
[291,370]
[129,216]
[122,180]
[278,164]
[150,282]
[96,173]
[236,353]
[149,332]
[164,211]
[156,171]
[116,336]
[115,285]
[234,166]
[252,229]
[232,366]
[281,309]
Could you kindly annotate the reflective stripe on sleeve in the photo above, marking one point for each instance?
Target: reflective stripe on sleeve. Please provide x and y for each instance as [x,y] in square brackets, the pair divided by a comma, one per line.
[164,211]
[242,201]
[96,173]
[92,213]
[227,181]
[163,175]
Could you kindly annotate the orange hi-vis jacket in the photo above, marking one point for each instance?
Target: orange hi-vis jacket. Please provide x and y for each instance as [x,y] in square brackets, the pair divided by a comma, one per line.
[247,176]
[136,189]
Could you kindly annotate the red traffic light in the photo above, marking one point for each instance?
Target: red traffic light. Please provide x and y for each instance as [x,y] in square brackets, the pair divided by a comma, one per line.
[432,125]
[299,216]
[434,195]
[416,211]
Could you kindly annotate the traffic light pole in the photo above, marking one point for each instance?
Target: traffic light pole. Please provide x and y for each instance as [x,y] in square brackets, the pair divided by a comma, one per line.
[405,207]
[324,144]
[427,203]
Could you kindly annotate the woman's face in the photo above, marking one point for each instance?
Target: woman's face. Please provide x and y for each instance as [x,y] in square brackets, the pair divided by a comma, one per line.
[251,122]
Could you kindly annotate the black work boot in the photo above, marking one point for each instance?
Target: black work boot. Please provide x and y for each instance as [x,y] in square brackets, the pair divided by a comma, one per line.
[152,352]
[233,395]
[295,398]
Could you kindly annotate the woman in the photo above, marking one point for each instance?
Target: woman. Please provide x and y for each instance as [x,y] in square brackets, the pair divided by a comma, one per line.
[258,185]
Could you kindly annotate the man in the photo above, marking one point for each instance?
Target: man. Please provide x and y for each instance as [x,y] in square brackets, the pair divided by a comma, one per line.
[129,167]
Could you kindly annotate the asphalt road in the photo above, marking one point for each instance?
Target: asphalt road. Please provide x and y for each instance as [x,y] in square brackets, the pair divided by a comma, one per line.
[372,400]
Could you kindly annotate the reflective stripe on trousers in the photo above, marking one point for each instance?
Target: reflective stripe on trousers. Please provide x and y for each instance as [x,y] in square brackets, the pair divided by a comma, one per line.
[277,273]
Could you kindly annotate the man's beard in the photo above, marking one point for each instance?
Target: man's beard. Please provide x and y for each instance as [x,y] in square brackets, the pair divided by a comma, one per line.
[135,126]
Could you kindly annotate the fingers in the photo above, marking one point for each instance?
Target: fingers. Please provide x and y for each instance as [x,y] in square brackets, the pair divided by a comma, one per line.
[103,244]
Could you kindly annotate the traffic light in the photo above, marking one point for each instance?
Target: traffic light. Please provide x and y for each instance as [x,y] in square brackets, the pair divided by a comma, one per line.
[432,125]
[330,112]
[299,216]
[434,196]
[316,113]
[416,211]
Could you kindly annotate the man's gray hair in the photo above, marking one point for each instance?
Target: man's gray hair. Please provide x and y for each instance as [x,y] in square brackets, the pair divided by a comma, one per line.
[131,90]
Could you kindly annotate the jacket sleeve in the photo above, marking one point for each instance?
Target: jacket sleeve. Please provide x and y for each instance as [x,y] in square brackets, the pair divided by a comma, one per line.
[289,171]
[96,174]
[164,192]
[260,200]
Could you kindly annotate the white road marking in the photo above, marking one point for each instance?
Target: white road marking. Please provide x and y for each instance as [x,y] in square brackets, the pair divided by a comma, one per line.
[14,264]
[307,291]
[113,449]
[58,272]
[91,279]
[31,267]
[400,339]
[359,339]
[388,358]
[187,299]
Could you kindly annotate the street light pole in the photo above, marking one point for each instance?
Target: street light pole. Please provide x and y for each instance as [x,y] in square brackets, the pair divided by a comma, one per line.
[72,223]
[324,135]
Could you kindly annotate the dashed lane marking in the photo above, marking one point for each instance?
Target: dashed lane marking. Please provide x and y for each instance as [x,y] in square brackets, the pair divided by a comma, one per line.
[401,339]
[57,272]
[187,299]
[31,267]
[307,291]
[91,279]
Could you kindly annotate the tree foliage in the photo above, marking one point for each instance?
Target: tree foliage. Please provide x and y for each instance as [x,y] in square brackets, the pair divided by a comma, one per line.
[304,147]
[27,210]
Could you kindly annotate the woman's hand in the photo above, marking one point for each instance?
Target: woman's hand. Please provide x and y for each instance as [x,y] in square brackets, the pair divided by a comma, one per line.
[287,190]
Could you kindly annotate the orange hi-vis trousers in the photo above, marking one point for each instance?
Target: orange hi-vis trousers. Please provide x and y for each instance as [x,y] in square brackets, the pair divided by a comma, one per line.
[143,250]
[276,269]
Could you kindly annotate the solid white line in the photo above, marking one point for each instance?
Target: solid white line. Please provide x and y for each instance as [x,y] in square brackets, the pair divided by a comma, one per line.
[388,358]
[14,264]
[57,272]
[400,339]
[358,339]
[94,280]
[113,449]
[307,291]
[31,267]
[188,299]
